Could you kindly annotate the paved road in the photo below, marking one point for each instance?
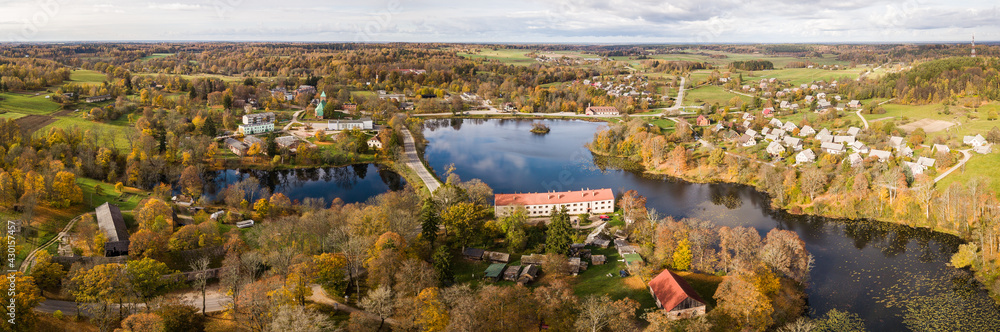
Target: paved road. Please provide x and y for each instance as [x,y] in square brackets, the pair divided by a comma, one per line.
[295,119]
[966,157]
[680,95]
[413,161]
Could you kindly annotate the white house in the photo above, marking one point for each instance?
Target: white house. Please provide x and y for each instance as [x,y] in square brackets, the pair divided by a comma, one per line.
[895,142]
[789,126]
[942,148]
[805,156]
[859,147]
[844,139]
[375,143]
[747,141]
[751,132]
[855,159]
[855,104]
[363,124]
[832,148]
[807,131]
[882,155]
[853,131]
[905,151]
[974,141]
[775,122]
[775,149]
[793,142]
[257,123]
[540,204]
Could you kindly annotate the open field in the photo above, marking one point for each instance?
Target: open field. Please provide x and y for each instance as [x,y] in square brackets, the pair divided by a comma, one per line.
[190,77]
[156,56]
[34,122]
[967,121]
[125,201]
[515,57]
[805,75]
[87,77]
[928,125]
[711,94]
[27,103]
[705,56]
[120,141]
[979,167]
[596,282]
[11,115]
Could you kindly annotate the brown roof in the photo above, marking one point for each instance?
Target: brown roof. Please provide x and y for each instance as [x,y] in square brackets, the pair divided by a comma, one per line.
[602,109]
[671,290]
[555,197]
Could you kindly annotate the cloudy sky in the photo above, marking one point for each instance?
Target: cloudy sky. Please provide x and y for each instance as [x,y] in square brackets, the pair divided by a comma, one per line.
[511,21]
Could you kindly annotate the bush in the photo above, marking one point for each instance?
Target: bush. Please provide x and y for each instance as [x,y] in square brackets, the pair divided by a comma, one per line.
[58,314]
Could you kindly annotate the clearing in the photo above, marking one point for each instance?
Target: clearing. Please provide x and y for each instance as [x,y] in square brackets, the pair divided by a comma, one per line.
[34,122]
[28,103]
[929,125]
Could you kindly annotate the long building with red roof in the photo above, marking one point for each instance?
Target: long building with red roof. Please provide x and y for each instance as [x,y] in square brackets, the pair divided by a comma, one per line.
[591,201]
[675,296]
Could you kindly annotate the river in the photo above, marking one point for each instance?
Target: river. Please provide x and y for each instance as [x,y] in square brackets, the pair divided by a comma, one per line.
[894,277]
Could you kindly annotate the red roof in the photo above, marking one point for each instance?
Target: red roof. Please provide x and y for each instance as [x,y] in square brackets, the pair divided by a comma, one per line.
[671,290]
[555,197]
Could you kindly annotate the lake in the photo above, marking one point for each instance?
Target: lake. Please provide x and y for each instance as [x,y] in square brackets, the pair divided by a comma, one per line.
[352,184]
[877,270]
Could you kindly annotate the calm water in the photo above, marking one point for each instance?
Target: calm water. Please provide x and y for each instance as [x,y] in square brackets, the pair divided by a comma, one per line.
[352,184]
[876,270]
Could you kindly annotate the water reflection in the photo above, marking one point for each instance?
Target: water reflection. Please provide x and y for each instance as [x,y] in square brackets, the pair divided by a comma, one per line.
[352,184]
[860,265]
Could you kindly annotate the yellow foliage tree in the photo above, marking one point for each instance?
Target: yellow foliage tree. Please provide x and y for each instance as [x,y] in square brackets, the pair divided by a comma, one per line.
[435,315]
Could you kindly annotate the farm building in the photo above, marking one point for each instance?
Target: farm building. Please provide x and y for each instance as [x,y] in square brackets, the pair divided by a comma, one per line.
[495,271]
[512,273]
[475,254]
[675,296]
[496,257]
[598,259]
[528,274]
[111,223]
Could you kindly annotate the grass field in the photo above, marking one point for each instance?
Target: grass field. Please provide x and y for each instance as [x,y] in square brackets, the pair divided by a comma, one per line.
[11,115]
[805,75]
[27,103]
[964,124]
[515,57]
[711,94]
[596,282]
[87,76]
[664,124]
[705,56]
[189,77]
[120,141]
[156,56]
[128,201]
[982,167]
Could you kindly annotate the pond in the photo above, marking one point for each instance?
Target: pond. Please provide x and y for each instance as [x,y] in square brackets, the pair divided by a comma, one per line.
[352,184]
[893,276]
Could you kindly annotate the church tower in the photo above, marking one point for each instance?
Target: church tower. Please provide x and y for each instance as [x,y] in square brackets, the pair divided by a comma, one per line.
[321,105]
[973,45]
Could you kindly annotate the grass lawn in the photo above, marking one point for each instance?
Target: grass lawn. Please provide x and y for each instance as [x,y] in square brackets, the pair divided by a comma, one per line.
[11,115]
[711,94]
[156,56]
[117,132]
[515,57]
[965,125]
[87,76]
[806,75]
[128,201]
[982,167]
[596,282]
[664,124]
[28,103]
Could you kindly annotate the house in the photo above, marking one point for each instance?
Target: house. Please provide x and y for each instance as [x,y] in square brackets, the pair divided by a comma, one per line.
[855,159]
[821,95]
[751,133]
[825,132]
[112,225]
[771,137]
[633,261]
[805,156]
[855,104]
[941,148]
[512,273]
[702,121]
[920,166]
[350,108]
[375,143]
[97,99]
[859,147]
[841,106]
[844,139]
[792,142]
[287,142]
[832,148]
[257,123]
[807,131]
[768,111]
[795,106]
[251,141]
[237,147]
[217,215]
[245,224]
[809,99]
[789,127]
[747,141]
[598,259]
[926,162]
[784,104]
[775,123]
[594,201]
[602,110]
[362,124]
[576,265]
[305,89]
[675,296]
[853,131]
[882,155]
[535,259]
[974,141]
[983,149]
[906,151]
[494,271]
[625,248]
[391,96]
[822,104]
[730,135]
[528,274]
[475,254]
[496,257]
[895,142]
[778,132]
[775,149]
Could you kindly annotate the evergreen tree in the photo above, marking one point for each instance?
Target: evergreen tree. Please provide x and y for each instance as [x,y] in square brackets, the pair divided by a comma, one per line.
[271,145]
[560,233]
[209,128]
[442,265]
[429,221]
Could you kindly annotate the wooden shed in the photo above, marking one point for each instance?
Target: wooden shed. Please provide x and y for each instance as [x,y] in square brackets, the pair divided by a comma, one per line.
[495,271]
[496,257]
[528,274]
[597,259]
[512,273]
[675,296]
[475,254]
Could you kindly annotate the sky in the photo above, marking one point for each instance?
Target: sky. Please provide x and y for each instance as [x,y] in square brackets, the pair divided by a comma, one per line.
[513,21]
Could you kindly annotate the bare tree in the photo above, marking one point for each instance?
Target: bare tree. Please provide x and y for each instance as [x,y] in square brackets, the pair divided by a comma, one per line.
[381,302]
[201,278]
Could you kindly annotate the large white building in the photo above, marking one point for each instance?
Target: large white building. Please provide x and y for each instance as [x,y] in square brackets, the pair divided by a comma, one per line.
[257,123]
[363,124]
[541,204]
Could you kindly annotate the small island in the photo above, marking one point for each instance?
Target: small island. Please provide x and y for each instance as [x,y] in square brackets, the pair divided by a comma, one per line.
[540,128]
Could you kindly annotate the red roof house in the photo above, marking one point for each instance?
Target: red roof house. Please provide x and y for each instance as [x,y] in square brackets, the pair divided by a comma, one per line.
[675,296]
[702,121]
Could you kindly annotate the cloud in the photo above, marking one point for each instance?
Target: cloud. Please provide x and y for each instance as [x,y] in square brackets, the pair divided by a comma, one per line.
[175,6]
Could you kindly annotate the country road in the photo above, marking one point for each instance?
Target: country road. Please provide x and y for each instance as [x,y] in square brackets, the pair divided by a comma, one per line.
[295,119]
[863,119]
[413,161]
[965,158]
